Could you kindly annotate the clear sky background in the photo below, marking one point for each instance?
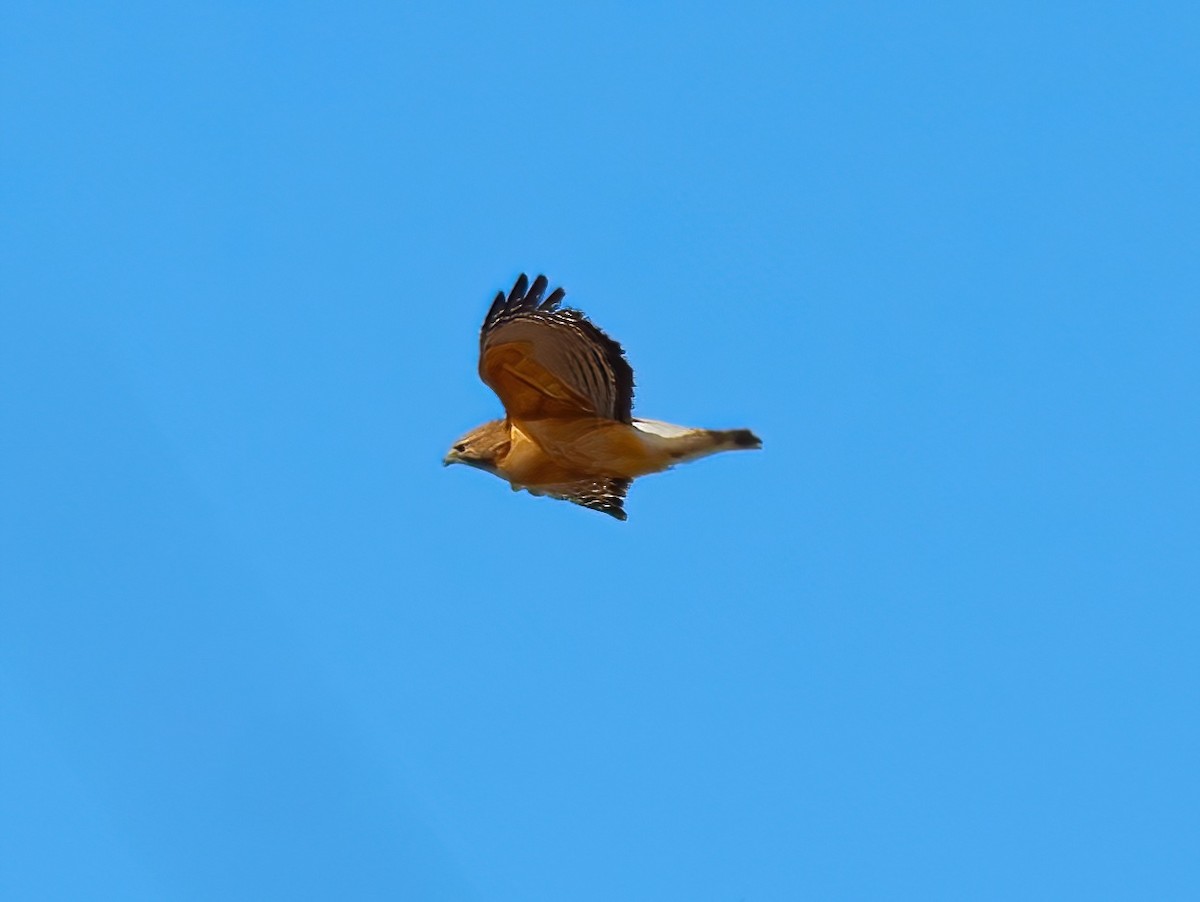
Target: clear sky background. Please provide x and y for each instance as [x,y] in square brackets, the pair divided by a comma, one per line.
[939,640]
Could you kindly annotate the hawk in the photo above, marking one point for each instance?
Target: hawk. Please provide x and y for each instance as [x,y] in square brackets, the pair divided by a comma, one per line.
[567,391]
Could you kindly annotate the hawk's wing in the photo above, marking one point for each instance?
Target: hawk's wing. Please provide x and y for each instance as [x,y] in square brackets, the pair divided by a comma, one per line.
[598,494]
[549,361]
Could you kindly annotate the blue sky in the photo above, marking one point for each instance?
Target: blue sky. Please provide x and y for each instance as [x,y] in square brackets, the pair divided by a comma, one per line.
[937,641]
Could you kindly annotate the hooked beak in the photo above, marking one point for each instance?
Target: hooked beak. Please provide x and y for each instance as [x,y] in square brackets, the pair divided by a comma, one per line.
[451,458]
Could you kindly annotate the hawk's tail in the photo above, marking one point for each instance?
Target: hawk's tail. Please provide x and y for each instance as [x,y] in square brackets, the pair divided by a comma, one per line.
[681,444]
[732,439]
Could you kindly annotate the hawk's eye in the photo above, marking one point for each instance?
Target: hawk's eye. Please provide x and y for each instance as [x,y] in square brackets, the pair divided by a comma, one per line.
[460,447]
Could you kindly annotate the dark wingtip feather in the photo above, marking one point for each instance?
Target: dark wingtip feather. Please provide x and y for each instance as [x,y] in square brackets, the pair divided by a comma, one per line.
[534,295]
[518,289]
[607,496]
[497,306]
[551,303]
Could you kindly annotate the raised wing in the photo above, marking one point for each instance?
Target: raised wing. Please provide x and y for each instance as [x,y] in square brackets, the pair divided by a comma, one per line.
[598,494]
[549,361]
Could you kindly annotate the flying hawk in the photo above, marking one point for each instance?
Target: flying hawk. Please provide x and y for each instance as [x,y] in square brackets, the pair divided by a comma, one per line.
[567,390]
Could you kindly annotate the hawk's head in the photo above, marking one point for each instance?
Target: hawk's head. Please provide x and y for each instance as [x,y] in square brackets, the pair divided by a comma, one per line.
[480,447]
